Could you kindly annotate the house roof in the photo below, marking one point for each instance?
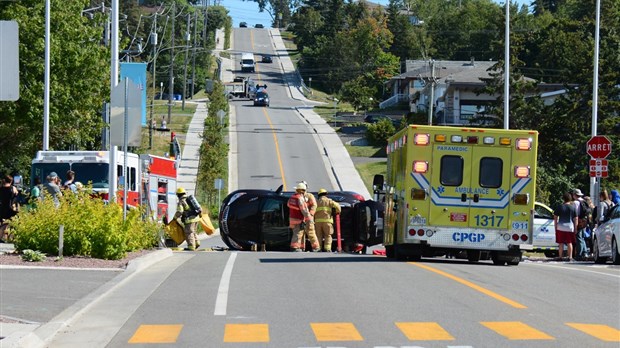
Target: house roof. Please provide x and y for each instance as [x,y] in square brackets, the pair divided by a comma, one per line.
[461,71]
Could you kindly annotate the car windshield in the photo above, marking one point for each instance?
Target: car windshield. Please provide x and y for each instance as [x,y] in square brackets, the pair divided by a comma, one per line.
[261,95]
[247,61]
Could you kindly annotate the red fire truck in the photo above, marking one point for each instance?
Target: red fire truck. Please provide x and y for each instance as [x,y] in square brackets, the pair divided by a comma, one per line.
[151,180]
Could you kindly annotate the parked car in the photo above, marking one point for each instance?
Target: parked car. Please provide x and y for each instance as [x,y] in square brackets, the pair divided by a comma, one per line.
[376,118]
[606,238]
[253,217]
[259,26]
[267,59]
[544,230]
[243,25]
[261,98]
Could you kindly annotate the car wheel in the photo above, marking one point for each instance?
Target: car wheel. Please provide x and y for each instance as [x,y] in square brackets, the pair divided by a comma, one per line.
[389,251]
[551,253]
[597,255]
[615,253]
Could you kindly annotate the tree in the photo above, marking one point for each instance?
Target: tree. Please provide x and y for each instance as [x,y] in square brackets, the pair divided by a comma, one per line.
[79,82]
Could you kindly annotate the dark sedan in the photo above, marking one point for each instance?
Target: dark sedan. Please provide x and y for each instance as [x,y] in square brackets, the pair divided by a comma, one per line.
[261,98]
[250,218]
[266,59]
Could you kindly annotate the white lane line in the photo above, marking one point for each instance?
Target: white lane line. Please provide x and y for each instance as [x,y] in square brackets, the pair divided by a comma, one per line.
[222,293]
[559,265]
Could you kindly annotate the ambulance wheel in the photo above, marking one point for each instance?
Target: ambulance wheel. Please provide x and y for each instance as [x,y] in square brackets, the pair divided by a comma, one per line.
[415,257]
[498,262]
[389,251]
[398,254]
[473,255]
[512,263]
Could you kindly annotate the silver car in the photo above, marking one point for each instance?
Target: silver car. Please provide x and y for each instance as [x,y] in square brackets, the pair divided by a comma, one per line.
[606,237]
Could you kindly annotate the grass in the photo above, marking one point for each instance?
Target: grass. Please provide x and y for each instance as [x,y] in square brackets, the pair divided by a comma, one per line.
[365,151]
[179,123]
[368,171]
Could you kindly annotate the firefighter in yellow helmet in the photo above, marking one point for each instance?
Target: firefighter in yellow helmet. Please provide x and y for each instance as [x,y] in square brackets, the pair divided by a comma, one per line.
[309,227]
[323,219]
[189,220]
[300,215]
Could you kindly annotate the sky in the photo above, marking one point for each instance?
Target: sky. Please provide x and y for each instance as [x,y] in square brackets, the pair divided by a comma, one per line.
[247,11]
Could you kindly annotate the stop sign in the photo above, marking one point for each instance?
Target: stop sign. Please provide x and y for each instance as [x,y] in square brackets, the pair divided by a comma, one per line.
[599,146]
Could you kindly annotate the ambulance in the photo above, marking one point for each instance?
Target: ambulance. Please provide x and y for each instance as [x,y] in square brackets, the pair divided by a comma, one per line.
[457,190]
[151,180]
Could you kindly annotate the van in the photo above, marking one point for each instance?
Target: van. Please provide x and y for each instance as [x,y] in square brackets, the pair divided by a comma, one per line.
[247,62]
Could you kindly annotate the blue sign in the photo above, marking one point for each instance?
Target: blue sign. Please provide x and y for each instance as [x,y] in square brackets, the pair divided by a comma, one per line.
[136,72]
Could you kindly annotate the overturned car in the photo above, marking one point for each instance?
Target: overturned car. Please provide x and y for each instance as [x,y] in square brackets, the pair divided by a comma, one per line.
[252,219]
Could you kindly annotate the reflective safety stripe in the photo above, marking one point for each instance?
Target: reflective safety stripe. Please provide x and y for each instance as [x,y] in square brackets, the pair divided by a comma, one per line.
[324,220]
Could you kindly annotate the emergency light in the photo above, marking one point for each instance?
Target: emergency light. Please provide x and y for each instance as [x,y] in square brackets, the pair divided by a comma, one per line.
[440,138]
[488,140]
[524,144]
[420,166]
[456,138]
[421,139]
[522,172]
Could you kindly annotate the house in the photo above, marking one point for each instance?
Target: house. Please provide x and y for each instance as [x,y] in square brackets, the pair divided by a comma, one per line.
[455,88]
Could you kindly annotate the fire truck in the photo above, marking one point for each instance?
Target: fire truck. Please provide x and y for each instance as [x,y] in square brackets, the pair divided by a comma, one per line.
[151,180]
[456,190]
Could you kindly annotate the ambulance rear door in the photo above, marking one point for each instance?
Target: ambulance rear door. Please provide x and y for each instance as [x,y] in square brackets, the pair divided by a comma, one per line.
[489,189]
[470,186]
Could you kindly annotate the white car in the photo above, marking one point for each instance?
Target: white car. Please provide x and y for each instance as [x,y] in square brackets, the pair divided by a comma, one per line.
[544,230]
[606,237]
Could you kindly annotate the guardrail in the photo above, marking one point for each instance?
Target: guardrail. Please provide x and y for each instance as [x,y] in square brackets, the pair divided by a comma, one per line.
[393,100]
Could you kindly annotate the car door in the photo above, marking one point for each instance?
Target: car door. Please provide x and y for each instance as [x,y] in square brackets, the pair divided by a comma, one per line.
[369,222]
[544,228]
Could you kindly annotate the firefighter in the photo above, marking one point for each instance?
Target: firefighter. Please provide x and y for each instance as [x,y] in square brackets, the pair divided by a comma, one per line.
[311,202]
[300,215]
[189,220]
[323,219]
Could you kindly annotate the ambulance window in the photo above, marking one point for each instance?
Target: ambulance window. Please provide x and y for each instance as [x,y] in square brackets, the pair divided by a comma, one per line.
[491,172]
[451,170]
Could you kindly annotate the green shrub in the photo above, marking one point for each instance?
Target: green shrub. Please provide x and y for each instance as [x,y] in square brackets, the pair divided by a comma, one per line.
[91,228]
[378,133]
[33,256]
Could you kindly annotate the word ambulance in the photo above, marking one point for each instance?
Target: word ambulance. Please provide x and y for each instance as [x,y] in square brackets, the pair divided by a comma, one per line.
[454,190]
[151,180]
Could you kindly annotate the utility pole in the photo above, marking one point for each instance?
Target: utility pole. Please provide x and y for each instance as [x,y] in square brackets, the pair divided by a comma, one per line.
[204,26]
[187,38]
[432,100]
[154,43]
[171,75]
[194,55]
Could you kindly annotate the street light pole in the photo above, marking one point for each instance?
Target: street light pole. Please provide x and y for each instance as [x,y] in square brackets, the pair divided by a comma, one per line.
[171,75]
[187,38]
[46,91]
[194,54]
[154,43]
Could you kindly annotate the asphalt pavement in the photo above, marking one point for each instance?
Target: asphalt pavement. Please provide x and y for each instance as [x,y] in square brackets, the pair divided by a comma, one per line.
[37,305]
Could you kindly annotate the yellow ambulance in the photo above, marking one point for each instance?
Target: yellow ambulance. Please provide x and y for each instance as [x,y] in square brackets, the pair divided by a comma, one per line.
[459,190]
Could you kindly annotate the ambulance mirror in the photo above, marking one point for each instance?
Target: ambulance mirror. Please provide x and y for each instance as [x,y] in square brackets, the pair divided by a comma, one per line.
[377,181]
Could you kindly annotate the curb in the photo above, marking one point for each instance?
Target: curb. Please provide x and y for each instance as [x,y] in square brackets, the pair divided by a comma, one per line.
[40,336]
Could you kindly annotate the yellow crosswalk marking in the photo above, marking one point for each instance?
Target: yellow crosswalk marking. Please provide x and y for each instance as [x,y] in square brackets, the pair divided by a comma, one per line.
[602,332]
[516,330]
[424,331]
[246,333]
[156,334]
[336,332]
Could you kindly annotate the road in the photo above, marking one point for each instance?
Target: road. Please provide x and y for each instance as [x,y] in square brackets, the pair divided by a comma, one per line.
[275,145]
[258,299]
